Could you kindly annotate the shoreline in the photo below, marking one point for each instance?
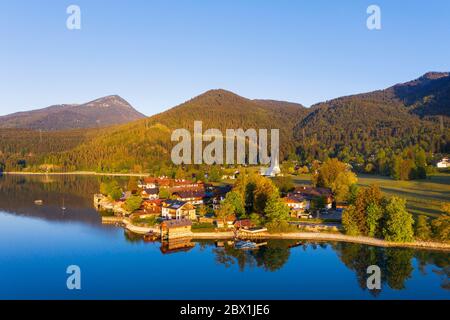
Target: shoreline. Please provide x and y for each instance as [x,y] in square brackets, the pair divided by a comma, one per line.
[330,237]
[317,236]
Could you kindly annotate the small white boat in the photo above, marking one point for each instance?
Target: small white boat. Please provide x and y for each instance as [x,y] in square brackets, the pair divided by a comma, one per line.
[38,202]
[245,245]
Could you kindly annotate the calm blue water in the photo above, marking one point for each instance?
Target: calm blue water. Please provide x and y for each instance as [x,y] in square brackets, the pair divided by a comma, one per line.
[38,243]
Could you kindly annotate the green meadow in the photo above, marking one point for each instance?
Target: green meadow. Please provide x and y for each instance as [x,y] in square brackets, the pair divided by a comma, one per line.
[423,196]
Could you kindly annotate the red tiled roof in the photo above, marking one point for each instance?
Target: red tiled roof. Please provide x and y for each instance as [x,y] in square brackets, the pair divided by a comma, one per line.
[244,223]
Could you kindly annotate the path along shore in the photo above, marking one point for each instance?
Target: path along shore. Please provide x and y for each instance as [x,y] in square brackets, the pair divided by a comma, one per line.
[77,173]
[321,236]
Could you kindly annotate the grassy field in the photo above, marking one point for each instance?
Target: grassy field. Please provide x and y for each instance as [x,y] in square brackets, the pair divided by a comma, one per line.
[423,196]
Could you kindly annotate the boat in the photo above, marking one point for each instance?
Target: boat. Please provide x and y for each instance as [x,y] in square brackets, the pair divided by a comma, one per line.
[245,245]
[63,207]
[38,202]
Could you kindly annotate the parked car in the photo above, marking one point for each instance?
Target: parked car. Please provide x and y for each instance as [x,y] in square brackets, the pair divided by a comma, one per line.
[305,216]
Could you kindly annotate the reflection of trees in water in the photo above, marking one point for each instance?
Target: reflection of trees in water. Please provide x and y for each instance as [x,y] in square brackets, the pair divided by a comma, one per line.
[395,263]
[18,193]
[440,262]
[271,257]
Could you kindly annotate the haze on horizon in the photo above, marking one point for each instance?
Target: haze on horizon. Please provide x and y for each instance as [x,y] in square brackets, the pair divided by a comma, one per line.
[161,53]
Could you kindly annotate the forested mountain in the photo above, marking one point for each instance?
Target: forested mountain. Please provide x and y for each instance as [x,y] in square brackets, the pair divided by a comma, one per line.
[367,130]
[105,111]
[426,96]
[359,126]
[146,144]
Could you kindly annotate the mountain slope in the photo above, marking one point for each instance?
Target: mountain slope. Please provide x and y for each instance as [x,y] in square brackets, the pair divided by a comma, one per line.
[428,95]
[354,128]
[393,118]
[146,144]
[105,111]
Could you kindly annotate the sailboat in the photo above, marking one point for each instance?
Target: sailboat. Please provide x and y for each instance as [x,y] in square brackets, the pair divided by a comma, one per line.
[63,207]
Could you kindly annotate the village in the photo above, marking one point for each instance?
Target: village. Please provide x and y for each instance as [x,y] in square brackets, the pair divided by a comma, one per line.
[249,206]
[167,208]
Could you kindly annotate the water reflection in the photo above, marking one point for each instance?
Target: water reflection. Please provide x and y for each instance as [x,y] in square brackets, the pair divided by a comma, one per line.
[20,192]
[398,266]
[270,257]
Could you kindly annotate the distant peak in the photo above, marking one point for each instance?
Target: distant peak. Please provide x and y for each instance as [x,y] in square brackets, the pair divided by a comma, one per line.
[109,101]
[218,92]
[435,75]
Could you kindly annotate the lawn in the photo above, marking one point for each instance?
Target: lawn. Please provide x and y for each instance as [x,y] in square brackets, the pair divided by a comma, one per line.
[423,196]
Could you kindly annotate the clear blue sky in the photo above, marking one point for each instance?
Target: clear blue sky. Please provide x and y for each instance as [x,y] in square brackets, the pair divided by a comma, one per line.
[157,54]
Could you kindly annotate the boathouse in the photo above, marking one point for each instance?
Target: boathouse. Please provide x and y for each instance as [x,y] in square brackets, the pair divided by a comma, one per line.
[176,229]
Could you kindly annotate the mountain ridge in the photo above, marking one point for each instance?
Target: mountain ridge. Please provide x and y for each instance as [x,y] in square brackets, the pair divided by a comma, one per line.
[74,116]
[356,126]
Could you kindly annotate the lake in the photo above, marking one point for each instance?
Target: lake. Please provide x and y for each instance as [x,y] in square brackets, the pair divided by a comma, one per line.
[39,242]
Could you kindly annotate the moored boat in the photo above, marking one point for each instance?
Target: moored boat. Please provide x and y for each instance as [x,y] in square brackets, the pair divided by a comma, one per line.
[245,245]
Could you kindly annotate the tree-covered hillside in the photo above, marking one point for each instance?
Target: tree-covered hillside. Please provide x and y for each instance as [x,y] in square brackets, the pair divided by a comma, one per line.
[381,131]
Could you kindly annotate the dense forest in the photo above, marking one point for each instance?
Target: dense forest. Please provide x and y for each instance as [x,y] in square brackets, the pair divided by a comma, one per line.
[396,131]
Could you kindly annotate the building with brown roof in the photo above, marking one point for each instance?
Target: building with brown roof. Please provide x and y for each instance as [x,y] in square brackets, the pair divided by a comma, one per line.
[310,193]
[176,228]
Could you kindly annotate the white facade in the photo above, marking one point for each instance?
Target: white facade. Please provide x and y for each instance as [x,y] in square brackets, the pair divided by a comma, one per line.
[166,214]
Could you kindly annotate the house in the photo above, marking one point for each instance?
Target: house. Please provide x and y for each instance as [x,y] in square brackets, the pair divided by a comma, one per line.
[311,193]
[243,224]
[147,183]
[176,228]
[194,197]
[219,223]
[178,184]
[297,203]
[219,195]
[444,163]
[228,222]
[150,193]
[175,209]
[152,207]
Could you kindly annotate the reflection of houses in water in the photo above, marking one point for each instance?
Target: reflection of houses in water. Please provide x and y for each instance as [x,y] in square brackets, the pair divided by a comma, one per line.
[177,245]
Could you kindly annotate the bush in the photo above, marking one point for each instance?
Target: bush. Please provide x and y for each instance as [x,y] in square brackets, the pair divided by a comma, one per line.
[374,215]
[203,227]
[441,227]
[399,222]
[278,227]
[349,221]
[422,228]
[133,203]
